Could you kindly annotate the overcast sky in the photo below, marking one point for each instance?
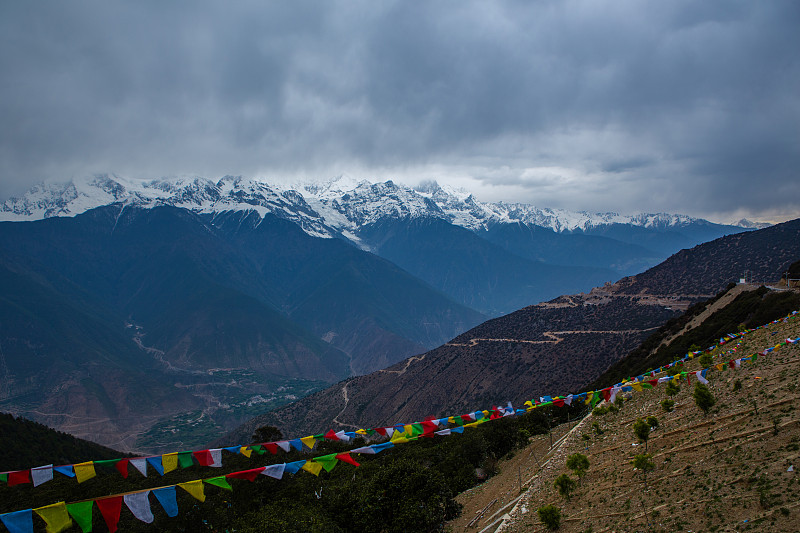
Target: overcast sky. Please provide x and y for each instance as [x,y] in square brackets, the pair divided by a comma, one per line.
[630,106]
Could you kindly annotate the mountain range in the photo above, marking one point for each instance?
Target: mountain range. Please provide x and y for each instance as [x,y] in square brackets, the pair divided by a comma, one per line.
[156,311]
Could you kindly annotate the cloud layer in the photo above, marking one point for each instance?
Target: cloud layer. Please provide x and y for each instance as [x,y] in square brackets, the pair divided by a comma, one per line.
[625,105]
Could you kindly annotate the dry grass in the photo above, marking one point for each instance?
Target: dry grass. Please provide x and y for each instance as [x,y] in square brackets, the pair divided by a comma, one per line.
[723,472]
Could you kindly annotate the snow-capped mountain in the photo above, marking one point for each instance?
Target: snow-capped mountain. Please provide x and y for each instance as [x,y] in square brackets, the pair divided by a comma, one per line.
[340,206]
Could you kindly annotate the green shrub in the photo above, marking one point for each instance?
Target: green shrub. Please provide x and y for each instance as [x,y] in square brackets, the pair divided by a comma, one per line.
[706,360]
[672,388]
[642,431]
[550,515]
[579,464]
[565,485]
[652,421]
[703,397]
[667,404]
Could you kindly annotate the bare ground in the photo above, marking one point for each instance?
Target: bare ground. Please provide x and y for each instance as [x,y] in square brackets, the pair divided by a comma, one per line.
[727,471]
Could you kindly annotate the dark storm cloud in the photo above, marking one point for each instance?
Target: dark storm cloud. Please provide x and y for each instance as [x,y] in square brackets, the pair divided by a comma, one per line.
[675,106]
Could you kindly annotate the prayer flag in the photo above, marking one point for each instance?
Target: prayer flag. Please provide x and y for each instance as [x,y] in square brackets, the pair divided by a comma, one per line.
[140,465]
[195,488]
[155,462]
[167,497]
[220,482]
[41,474]
[139,505]
[249,475]
[82,513]
[314,468]
[55,516]
[110,508]
[19,521]
[170,462]
[84,471]
[347,458]
[274,471]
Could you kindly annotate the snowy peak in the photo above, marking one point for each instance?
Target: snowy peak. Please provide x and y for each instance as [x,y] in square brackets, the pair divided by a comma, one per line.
[341,205]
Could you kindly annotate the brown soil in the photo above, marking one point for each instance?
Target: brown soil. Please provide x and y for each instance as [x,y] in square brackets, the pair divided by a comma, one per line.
[726,471]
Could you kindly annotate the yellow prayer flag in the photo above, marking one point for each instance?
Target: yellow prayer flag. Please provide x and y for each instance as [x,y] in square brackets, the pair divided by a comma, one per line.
[169,461]
[720,366]
[309,441]
[312,467]
[451,420]
[195,488]
[84,471]
[637,386]
[408,429]
[244,450]
[361,431]
[55,516]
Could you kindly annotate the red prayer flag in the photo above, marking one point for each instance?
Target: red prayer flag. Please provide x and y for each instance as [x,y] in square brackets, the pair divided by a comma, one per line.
[381,431]
[122,466]
[249,475]
[110,509]
[330,435]
[428,427]
[558,402]
[345,457]
[204,458]
[466,419]
[19,478]
[272,447]
[653,382]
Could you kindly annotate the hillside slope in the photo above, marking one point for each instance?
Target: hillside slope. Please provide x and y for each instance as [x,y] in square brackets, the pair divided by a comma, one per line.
[732,470]
[527,353]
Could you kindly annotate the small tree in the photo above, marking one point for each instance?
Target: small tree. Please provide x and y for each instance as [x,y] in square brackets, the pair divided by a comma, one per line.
[550,515]
[706,359]
[579,464]
[667,404]
[644,464]
[565,485]
[672,388]
[652,422]
[703,398]
[266,434]
[642,431]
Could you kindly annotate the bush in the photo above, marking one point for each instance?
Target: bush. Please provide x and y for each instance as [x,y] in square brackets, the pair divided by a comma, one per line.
[550,515]
[579,464]
[737,385]
[642,431]
[706,360]
[672,388]
[652,422]
[667,404]
[565,485]
[703,397]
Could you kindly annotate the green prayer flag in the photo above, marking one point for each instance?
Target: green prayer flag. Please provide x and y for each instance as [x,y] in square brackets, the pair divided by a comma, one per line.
[219,481]
[595,399]
[185,459]
[258,449]
[327,461]
[4,478]
[82,513]
[645,385]
[107,463]
[417,429]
